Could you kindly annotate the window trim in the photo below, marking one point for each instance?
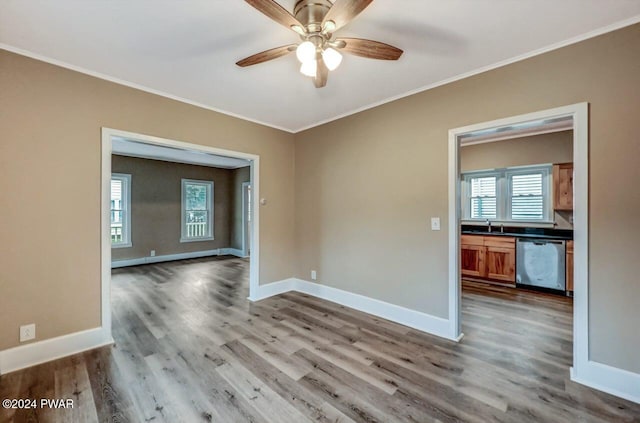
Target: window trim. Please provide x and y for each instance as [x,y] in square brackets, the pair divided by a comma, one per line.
[183,209]
[126,209]
[503,194]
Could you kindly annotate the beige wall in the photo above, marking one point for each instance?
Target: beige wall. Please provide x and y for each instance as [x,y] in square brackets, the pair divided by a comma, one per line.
[366,185]
[538,149]
[238,177]
[156,206]
[50,171]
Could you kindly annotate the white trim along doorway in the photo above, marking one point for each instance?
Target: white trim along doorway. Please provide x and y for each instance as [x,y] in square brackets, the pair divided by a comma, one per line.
[108,135]
[247,206]
[580,117]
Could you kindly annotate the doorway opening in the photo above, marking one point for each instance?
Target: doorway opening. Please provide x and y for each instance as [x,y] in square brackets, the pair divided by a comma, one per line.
[200,208]
[484,204]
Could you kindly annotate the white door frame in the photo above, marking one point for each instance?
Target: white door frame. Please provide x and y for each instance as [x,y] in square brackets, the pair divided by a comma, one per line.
[105,237]
[245,222]
[580,114]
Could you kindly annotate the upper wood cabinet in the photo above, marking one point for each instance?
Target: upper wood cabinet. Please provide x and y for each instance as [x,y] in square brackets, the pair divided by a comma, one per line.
[563,186]
[488,257]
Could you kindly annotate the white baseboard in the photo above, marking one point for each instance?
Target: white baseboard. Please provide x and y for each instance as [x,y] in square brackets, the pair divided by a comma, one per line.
[612,380]
[273,288]
[51,349]
[180,256]
[414,319]
[233,252]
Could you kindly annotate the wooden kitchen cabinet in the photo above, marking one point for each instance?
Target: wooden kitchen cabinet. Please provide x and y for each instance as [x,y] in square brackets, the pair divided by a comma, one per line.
[488,257]
[563,186]
[472,260]
[569,266]
[501,263]
[472,256]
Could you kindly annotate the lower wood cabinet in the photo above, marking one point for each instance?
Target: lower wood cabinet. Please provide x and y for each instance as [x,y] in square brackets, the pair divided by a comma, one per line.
[472,258]
[569,266]
[489,257]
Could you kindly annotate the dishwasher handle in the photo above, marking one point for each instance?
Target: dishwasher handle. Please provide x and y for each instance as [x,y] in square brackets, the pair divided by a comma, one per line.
[541,241]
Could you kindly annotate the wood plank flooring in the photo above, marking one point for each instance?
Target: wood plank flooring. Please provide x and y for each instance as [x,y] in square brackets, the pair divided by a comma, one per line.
[191,348]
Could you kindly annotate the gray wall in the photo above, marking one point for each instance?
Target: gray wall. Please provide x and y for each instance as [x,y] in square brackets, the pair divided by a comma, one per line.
[156,196]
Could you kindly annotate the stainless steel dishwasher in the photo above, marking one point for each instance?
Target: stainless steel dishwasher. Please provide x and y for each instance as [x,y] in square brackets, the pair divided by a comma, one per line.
[541,263]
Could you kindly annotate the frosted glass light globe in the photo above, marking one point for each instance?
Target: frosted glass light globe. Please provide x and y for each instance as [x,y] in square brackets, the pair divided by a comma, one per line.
[306,51]
[309,68]
[331,58]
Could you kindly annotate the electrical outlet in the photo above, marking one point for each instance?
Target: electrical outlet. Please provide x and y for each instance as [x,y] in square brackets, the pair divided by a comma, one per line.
[27,332]
[153,253]
[314,275]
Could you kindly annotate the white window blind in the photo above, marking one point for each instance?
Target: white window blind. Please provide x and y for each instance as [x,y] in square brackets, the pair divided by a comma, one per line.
[527,200]
[483,202]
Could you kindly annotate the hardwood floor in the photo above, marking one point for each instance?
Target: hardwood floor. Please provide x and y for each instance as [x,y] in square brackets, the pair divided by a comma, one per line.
[191,348]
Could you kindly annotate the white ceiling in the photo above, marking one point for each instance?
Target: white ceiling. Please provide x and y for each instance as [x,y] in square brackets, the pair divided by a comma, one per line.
[124,147]
[188,49]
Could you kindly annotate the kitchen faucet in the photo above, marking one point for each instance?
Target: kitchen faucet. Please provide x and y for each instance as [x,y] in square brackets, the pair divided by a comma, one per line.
[489,225]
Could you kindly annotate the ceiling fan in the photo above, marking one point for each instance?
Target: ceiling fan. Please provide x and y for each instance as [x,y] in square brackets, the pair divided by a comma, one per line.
[316,21]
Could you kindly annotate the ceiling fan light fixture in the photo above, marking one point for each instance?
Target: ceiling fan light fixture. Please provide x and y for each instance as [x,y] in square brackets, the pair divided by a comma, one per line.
[306,52]
[315,22]
[328,27]
[332,58]
[309,68]
[300,30]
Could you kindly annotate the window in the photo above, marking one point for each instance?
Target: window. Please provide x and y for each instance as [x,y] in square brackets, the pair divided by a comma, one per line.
[120,210]
[483,197]
[197,210]
[520,194]
[526,200]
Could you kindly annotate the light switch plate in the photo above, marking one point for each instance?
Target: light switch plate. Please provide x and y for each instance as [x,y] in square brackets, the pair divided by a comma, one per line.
[435,223]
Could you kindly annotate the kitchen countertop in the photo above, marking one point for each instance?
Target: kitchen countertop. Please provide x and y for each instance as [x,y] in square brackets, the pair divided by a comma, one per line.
[518,232]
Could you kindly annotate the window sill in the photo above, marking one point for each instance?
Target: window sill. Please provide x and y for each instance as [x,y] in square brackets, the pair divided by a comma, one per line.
[516,223]
[127,245]
[196,239]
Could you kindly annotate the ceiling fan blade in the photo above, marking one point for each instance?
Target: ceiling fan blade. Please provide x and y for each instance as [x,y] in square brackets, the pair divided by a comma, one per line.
[343,11]
[275,12]
[322,74]
[266,55]
[369,49]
